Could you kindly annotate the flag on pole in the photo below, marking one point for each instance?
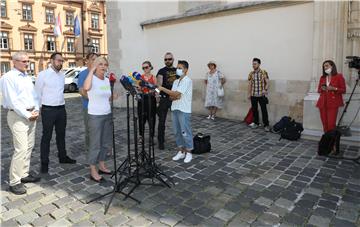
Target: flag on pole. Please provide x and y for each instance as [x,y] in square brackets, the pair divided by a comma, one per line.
[57,28]
[76,26]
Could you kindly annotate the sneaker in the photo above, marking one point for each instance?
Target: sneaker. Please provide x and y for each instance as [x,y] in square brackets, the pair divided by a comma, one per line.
[18,189]
[253,125]
[67,160]
[30,179]
[208,117]
[213,117]
[178,156]
[188,157]
[267,129]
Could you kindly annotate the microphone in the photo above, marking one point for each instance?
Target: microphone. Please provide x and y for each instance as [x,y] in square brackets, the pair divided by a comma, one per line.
[144,83]
[112,79]
[127,84]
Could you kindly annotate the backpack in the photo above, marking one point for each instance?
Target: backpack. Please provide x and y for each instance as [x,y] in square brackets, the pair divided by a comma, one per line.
[291,131]
[280,125]
[249,117]
[328,141]
[201,144]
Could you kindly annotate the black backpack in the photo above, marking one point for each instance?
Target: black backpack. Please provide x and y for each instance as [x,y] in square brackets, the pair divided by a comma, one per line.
[291,131]
[201,144]
[328,141]
[280,125]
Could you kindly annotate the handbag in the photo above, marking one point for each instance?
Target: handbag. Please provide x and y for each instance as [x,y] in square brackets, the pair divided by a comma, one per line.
[201,144]
[220,91]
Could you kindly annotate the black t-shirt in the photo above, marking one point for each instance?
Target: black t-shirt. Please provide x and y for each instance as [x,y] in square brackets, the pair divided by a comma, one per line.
[169,76]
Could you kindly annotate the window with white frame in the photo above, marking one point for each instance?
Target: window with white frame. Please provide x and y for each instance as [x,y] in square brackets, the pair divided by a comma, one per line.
[70,44]
[27,12]
[50,44]
[3,8]
[4,42]
[96,45]
[95,21]
[49,16]
[28,42]
[69,18]
[5,67]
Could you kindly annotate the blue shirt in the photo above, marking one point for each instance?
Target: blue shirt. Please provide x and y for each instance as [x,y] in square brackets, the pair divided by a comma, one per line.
[81,79]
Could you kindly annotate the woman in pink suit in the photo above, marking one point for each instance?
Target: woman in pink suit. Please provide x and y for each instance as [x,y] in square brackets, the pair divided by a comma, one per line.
[331,88]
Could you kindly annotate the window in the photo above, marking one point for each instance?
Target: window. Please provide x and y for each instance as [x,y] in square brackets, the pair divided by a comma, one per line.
[72,64]
[50,44]
[27,12]
[4,42]
[70,44]
[3,8]
[96,45]
[95,21]
[28,42]
[31,68]
[49,16]
[5,67]
[69,18]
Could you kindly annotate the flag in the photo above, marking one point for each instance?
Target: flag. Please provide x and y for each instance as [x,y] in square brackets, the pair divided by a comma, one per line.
[57,28]
[76,26]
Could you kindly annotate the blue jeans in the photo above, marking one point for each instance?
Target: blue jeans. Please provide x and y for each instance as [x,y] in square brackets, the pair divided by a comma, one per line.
[182,129]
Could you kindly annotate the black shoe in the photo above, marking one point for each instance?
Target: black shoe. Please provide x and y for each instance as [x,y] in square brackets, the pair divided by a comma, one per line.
[98,181]
[67,160]
[161,146]
[30,179]
[44,168]
[18,189]
[103,172]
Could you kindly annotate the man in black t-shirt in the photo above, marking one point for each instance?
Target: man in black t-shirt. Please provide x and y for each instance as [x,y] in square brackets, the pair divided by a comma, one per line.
[165,78]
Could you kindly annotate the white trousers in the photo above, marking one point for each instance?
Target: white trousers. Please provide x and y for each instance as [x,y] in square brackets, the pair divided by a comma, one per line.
[23,132]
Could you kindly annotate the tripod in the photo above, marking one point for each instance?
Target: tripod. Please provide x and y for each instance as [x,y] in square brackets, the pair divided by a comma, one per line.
[357,159]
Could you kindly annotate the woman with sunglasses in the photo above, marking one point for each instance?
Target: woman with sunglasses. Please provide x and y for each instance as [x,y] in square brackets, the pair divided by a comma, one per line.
[146,109]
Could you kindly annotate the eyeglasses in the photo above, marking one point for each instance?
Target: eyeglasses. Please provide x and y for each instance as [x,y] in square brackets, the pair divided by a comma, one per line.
[145,67]
[168,59]
[25,61]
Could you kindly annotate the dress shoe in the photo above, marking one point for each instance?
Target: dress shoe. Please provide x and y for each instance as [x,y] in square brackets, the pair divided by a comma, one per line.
[161,146]
[98,181]
[68,160]
[30,179]
[103,172]
[44,168]
[18,189]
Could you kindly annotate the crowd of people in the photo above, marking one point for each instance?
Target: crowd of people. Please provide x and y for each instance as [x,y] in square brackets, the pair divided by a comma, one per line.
[26,102]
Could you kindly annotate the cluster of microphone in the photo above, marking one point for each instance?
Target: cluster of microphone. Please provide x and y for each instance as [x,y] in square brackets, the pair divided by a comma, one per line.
[130,82]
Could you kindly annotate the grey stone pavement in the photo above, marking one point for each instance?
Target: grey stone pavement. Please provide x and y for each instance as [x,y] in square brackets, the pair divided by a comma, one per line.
[249,179]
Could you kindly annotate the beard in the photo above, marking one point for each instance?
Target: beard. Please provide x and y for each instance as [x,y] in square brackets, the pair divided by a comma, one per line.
[58,67]
[169,64]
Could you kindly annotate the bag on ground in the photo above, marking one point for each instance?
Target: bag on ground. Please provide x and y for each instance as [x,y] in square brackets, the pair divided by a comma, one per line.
[291,131]
[201,144]
[249,117]
[280,125]
[329,143]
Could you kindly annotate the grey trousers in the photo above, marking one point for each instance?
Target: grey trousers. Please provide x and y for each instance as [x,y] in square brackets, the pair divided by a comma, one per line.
[100,137]
[86,119]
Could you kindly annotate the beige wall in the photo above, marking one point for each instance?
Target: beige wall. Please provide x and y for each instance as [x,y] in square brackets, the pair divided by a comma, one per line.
[285,47]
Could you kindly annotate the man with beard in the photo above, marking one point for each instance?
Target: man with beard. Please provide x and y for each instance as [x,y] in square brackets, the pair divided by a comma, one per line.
[50,88]
[165,78]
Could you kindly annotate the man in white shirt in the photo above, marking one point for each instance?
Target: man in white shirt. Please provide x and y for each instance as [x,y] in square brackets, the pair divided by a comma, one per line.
[181,94]
[20,98]
[50,88]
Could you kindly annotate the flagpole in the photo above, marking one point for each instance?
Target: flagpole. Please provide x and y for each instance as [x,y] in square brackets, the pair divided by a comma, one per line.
[82,30]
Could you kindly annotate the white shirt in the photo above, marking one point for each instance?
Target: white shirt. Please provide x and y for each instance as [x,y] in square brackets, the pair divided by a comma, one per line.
[18,93]
[183,86]
[50,87]
[99,96]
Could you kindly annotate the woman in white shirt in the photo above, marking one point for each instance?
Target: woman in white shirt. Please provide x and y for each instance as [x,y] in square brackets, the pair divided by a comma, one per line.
[100,125]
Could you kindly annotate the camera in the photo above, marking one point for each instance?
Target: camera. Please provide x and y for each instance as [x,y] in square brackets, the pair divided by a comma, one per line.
[354,62]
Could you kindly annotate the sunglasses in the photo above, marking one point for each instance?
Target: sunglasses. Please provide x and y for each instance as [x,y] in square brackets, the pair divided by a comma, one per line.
[168,59]
[25,61]
[145,67]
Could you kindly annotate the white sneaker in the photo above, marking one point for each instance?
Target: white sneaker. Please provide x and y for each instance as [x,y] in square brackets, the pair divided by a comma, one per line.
[188,157]
[208,117]
[213,117]
[267,129]
[253,125]
[178,156]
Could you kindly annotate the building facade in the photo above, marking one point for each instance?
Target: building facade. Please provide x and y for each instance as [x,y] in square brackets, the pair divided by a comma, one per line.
[28,25]
[292,38]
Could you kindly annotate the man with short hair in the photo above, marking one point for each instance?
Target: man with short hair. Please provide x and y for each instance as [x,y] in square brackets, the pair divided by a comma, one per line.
[50,88]
[257,90]
[165,78]
[181,94]
[90,58]
[20,98]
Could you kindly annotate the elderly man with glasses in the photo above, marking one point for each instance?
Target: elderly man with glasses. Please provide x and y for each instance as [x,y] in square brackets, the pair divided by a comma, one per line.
[20,99]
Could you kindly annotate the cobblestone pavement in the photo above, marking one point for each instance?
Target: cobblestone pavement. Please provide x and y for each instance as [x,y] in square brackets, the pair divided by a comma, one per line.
[249,179]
